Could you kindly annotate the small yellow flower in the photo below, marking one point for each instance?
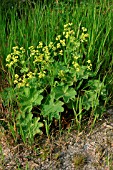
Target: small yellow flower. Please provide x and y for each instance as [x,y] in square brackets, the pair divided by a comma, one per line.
[41,75]
[15,60]
[50,45]
[58,37]
[37,52]
[32,54]
[47,57]
[54,48]
[76,57]
[83,37]
[22,49]
[45,49]
[16,76]
[71,32]
[30,75]
[10,64]
[16,56]
[40,44]
[40,58]
[15,81]
[24,81]
[58,45]
[19,79]
[61,52]
[86,35]
[77,69]
[7,65]
[67,35]
[55,53]
[75,64]
[31,48]
[66,25]
[15,48]
[64,33]
[16,52]
[47,53]
[84,29]
[19,85]
[88,61]
[70,24]
[8,57]
[72,39]
[63,42]
[88,67]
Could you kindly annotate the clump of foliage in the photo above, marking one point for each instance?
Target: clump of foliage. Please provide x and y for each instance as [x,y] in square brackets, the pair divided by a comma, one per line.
[78,160]
[50,77]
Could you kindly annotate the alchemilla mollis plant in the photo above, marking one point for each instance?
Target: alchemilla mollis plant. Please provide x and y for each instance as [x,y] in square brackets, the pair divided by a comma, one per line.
[50,77]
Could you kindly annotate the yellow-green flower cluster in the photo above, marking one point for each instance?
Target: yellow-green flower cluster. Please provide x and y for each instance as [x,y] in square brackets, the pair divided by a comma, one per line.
[40,57]
[16,50]
[54,48]
[13,58]
[58,45]
[16,78]
[41,54]
[76,57]
[40,44]
[68,32]
[76,66]
[61,75]
[51,45]
[46,54]
[61,52]
[57,49]
[22,50]
[89,66]
[75,62]
[58,37]
[23,81]
[20,81]
[30,75]
[84,35]
[41,74]
[33,52]
[63,42]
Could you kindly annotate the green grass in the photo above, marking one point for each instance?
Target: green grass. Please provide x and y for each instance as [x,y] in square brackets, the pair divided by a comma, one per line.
[44,23]
[39,24]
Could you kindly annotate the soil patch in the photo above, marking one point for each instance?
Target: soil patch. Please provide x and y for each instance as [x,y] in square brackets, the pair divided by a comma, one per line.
[70,151]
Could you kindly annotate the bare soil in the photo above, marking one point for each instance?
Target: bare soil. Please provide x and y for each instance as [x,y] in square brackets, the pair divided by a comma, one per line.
[87,150]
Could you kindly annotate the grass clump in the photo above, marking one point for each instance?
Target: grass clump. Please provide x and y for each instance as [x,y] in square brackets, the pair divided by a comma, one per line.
[79,160]
[58,59]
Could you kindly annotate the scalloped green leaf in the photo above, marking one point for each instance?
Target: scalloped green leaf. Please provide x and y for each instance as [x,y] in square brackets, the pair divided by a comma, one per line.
[52,110]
